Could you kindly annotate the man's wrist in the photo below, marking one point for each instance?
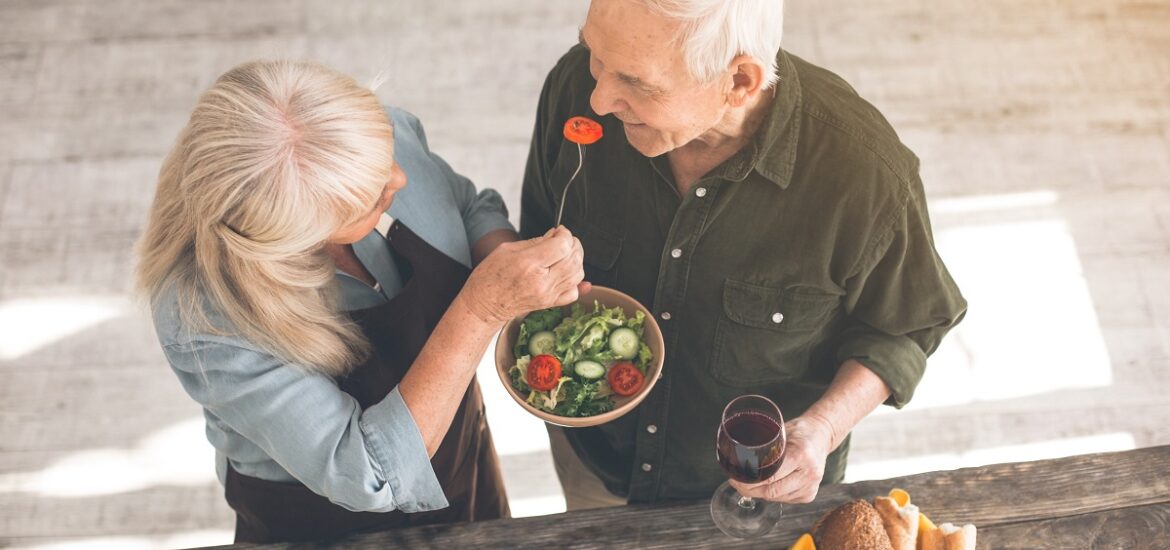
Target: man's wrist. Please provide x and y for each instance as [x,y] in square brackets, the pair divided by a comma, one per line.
[826,427]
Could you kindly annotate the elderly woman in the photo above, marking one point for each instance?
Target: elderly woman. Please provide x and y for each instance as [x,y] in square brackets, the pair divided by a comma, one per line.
[334,348]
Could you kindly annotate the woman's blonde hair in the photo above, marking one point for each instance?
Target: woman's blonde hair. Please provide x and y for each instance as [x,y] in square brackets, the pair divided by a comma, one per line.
[276,157]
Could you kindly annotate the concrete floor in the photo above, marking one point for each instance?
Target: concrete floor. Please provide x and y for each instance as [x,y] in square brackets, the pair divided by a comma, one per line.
[1044,133]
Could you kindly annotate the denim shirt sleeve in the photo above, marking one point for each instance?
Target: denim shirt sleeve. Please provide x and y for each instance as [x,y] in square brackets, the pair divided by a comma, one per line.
[373,460]
[483,211]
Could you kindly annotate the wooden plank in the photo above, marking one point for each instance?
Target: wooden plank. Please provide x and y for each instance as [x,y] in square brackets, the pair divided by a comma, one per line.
[110,193]
[339,17]
[107,331]
[1136,527]
[157,510]
[39,262]
[5,175]
[123,406]
[989,496]
[80,129]
[19,64]
[1038,490]
[1124,411]
[42,21]
[150,69]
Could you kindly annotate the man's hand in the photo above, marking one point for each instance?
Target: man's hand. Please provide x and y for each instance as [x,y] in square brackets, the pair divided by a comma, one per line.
[855,392]
[810,440]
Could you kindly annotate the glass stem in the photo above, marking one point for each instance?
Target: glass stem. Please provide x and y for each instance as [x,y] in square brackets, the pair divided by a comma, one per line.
[747,503]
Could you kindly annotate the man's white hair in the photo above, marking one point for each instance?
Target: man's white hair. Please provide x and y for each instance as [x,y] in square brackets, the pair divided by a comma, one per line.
[715,31]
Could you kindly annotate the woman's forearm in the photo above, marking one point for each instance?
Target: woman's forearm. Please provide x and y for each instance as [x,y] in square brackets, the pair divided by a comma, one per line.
[487,243]
[436,382]
[515,278]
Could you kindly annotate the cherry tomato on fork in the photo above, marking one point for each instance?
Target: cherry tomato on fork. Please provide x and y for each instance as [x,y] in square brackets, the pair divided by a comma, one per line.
[543,372]
[582,130]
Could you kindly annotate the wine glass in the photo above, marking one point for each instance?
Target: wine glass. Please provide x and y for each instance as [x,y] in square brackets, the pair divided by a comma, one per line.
[750,448]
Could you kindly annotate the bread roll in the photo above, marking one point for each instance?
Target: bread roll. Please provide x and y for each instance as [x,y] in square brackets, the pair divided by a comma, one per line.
[932,539]
[854,525]
[901,522]
[949,537]
[958,538]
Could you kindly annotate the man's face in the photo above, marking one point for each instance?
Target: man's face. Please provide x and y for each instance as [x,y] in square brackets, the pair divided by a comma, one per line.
[643,81]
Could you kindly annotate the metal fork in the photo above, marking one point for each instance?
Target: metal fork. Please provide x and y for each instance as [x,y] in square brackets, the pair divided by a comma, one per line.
[565,193]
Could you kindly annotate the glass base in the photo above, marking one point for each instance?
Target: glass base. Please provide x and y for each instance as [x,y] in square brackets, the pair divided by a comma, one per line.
[742,517]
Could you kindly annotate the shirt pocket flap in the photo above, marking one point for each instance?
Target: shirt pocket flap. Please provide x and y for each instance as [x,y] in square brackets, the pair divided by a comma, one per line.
[601,249]
[775,309]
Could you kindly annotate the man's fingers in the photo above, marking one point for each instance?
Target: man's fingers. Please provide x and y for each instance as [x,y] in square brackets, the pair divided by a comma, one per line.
[764,491]
[787,481]
[754,491]
[786,468]
[804,490]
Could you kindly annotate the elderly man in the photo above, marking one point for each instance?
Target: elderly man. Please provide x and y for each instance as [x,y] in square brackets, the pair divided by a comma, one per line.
[768,216]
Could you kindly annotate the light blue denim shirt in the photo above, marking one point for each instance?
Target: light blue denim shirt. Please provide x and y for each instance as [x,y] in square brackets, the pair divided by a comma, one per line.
[275,422]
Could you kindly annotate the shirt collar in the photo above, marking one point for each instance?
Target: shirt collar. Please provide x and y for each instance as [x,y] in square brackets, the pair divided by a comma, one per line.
[378,259]
[772,152]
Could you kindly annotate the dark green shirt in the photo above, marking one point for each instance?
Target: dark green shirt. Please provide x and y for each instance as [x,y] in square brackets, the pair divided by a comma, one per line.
[810,246]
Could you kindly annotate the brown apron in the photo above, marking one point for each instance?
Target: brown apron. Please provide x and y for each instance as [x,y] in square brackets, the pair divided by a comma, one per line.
[466,464]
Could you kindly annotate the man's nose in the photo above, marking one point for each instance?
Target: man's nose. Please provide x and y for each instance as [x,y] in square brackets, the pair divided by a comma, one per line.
[603,100]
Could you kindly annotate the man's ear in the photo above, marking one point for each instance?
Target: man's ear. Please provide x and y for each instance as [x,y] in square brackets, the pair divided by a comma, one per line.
[747,79]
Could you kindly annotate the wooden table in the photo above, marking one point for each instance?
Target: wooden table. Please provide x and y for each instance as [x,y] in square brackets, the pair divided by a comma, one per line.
[1109,500]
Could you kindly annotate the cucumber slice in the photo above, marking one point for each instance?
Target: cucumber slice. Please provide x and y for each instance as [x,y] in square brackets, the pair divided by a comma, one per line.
[541,343]
[589,370]
[624,342]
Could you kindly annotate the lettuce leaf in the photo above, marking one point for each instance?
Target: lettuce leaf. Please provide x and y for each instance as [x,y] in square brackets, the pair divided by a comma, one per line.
[537,321]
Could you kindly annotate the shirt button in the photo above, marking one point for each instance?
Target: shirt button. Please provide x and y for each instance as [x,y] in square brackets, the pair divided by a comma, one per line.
[701,192]
[676,253]
[652,429]
[777,317]
[665,315]
[646,467]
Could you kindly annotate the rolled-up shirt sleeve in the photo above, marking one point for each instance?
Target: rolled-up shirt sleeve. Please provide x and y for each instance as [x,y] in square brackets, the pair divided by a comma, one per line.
[902,300]
[373,460]
[483,211]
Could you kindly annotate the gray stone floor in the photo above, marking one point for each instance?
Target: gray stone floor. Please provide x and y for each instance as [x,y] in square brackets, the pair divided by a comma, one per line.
[1044,133]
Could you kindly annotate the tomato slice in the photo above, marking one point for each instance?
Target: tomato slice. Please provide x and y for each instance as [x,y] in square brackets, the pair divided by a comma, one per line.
[582,130]
[625,379]
[543,372]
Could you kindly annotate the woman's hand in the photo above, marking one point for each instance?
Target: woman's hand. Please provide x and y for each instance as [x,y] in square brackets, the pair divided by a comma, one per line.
[524,276]
[799,476]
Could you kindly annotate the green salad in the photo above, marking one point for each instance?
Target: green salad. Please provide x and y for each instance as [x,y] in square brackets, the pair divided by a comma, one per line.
[575,365]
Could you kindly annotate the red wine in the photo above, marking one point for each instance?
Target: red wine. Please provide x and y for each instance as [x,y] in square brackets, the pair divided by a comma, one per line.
[747,455]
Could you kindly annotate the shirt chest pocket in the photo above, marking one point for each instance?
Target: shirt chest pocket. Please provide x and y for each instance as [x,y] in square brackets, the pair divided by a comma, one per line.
[765,335]
[601,252]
